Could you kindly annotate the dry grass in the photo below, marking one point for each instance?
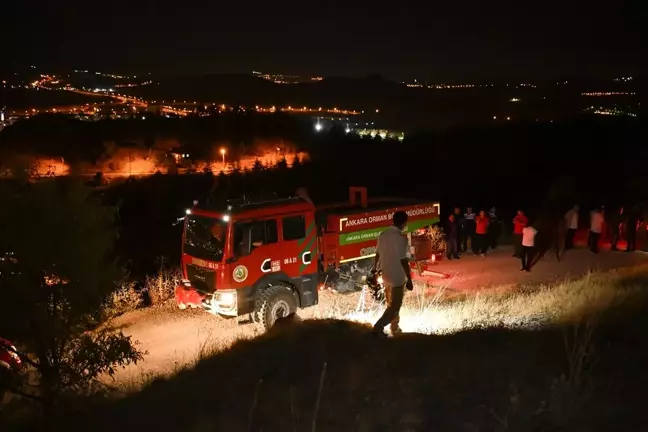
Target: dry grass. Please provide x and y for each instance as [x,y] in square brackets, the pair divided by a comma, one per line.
[509,307]
[124,299]
[495,374]
[161,287]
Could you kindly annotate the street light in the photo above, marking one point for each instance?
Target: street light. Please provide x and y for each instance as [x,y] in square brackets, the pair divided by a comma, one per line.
[222,152]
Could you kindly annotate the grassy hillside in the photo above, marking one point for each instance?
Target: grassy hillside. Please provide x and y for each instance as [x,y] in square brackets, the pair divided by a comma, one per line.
[583,370]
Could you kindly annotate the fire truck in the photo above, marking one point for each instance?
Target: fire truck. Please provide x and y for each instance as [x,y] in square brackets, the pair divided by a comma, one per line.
[10,365]
[267,258]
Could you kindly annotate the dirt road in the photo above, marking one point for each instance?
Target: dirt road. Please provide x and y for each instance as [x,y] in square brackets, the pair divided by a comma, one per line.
[175,338]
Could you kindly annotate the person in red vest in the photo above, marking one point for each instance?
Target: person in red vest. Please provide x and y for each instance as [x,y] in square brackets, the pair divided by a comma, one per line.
[519,222]
[481,231]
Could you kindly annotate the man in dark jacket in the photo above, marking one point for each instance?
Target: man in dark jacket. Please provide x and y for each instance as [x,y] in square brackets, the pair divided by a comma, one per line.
[461,229]
[616,219]
[631,220]
[494,228]
[469,224]
[452,244]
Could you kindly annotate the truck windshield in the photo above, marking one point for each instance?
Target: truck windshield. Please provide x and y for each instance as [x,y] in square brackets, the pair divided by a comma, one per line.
[204,237]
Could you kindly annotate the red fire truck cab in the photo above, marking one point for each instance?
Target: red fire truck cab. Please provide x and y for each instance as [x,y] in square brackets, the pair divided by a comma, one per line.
[267,258]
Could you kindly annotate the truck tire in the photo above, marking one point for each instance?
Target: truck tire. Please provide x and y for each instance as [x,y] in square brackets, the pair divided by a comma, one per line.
[275,302]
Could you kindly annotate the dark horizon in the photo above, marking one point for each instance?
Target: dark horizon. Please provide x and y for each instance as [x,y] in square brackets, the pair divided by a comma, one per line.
[399,43]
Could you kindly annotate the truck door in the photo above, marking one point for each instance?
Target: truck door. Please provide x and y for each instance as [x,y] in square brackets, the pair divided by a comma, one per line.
[257,248]
[299,245]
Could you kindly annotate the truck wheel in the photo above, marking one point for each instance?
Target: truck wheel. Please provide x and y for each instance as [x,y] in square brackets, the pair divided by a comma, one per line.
[274,302]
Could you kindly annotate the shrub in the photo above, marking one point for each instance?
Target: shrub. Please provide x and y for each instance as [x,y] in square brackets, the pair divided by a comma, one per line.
[56,271]
[437,238]
[161,287]
[124,299]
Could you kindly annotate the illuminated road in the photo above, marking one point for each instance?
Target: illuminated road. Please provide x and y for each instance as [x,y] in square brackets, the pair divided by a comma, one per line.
[120,98]
[177,108]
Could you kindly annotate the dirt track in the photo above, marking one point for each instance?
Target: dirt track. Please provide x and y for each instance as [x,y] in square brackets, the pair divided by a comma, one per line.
[174,338]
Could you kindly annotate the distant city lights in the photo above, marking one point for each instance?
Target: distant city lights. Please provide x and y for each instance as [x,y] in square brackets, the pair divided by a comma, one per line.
[286,79]
[608,94]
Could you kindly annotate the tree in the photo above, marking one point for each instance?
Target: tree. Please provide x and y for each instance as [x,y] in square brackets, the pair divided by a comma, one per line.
[258,166]
[297,163]
[56,269]
[282,164]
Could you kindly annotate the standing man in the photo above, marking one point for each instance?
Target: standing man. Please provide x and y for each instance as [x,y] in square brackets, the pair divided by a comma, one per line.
[571,221]
[596,226]
[632,219]
[481,231]
[616,220]
[494,228]
[519,222]
[528,246]
[469,224]
[452,245]
[392,259]
[461,229]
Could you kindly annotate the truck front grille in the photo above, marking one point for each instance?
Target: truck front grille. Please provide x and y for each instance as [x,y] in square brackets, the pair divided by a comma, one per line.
[201,278]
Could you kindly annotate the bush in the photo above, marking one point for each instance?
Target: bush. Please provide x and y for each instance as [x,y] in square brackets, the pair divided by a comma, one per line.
[56,271]
[437,238]
[124,299]
[161,287]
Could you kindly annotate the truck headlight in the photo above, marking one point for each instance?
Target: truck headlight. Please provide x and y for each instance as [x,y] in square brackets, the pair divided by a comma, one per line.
[227,299]
[224,302]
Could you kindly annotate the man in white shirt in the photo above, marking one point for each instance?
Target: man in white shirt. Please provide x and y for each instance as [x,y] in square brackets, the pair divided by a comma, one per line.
[571,221]
[392,259]
[528,246]
[596,226]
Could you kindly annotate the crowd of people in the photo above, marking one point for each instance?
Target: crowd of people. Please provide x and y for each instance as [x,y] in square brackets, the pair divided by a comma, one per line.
[622,224]
[472,232]
[480,232]
[469,232]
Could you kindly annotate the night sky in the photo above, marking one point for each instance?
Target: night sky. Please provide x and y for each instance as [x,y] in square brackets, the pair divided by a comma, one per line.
[400,40]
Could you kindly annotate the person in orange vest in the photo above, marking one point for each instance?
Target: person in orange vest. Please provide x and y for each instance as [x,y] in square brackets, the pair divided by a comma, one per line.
[481,231]
[519,222]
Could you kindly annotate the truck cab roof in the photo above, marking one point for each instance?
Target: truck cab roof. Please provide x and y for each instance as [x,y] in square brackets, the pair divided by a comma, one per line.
[243,208]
